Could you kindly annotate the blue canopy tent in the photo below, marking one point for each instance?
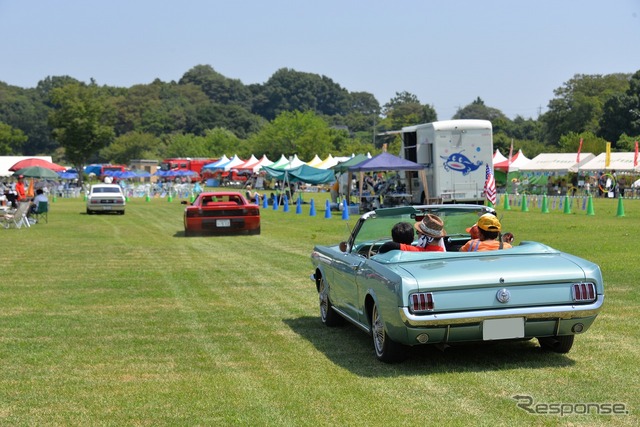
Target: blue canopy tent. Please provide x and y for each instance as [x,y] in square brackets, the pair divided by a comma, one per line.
[388,162]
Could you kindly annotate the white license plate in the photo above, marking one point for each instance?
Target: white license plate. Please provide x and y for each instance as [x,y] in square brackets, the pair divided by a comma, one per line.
[223,223]
[106,208]
[502,329]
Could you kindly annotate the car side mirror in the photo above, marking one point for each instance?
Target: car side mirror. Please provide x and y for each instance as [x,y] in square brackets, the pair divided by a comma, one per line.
[343,246]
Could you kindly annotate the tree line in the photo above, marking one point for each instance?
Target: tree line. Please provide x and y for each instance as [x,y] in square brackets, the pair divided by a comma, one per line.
[206,114]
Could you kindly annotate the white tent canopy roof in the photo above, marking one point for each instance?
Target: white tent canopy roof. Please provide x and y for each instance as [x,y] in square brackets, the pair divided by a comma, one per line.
[315,161]
[620,162]
[556,162]
[235,161]
[498,157]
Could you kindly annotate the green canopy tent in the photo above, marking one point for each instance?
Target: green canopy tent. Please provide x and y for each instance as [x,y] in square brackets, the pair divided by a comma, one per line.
[303,173]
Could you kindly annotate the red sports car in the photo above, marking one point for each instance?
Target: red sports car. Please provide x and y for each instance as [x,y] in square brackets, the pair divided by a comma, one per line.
[224,212]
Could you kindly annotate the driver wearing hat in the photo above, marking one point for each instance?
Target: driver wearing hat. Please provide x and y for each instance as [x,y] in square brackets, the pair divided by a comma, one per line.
[489,228]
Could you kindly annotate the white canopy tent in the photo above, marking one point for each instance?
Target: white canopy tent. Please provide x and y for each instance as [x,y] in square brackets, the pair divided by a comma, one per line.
[498,157]
[315,161]
[556,163]
[233,162]
[619,162]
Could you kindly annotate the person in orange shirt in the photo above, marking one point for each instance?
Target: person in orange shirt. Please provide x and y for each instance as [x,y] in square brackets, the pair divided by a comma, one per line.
[489,236]
[22,195]
[430,231]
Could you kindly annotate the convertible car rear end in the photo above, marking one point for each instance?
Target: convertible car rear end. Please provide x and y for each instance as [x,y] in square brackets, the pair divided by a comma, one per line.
[411,298]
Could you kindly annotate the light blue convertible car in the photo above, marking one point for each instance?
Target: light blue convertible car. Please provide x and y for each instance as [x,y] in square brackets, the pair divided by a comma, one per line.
[404,298]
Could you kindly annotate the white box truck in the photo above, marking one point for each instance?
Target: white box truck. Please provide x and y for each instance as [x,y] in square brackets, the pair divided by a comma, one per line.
[455,154]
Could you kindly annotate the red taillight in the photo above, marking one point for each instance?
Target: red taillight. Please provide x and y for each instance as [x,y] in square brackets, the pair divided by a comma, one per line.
[422,301]
[583,292]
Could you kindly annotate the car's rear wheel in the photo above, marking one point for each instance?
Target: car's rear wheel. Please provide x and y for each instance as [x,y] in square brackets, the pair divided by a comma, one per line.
[387,350]
[558,344]
[89,212]
[327,314]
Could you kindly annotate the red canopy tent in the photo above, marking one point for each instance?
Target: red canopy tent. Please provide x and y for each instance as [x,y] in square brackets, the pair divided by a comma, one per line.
[27,163]
[517,160]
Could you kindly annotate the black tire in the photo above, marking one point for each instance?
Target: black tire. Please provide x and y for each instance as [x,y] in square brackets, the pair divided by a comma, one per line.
[327,314]
[558,344]
[89,212]
[387,350]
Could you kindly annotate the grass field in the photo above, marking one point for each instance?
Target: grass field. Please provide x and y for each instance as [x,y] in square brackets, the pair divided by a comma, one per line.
[120,320]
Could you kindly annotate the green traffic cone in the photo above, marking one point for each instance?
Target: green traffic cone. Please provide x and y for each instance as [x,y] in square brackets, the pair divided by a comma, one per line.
[148,198]
[545,204]
[54,198]
[567,207]
[525,208]
[506,202]
[590,210]
[620,207]
[169,198]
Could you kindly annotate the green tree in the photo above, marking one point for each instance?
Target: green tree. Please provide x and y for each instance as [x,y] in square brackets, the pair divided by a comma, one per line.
[132,145]
[219,89]
[479,111]
[10,139]
[219,141]
[405,110]
[290,90]
[578,104]
[80,121]
[186,145]
[304,134]
[621,112]
[570,142]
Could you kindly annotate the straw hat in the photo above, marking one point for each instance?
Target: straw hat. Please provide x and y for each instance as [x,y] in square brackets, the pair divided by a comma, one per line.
[431,225]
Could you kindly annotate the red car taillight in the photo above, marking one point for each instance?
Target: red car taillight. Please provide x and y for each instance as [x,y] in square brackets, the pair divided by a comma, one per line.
[583,292]
[422,302]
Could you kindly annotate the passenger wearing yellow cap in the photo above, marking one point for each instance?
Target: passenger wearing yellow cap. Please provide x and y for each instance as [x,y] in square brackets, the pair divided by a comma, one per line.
[489,229]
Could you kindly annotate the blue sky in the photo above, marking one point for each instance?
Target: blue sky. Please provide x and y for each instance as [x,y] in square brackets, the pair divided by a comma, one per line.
[510,53]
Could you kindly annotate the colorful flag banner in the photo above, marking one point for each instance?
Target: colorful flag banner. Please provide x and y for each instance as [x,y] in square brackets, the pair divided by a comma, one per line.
[490,186]
[607,156]
[635,156]
[579,150]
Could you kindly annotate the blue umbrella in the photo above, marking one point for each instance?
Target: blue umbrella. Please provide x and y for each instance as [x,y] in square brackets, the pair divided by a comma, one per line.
[68,175]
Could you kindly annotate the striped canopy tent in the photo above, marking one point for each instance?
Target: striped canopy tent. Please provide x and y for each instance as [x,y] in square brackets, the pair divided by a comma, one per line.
[217,165]
[498,157]
[315,161]
[518,160]
[234,161]
[247,165]
[280,163]
[264,161]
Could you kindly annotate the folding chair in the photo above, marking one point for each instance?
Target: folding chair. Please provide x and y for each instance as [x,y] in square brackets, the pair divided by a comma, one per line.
[18,218]
[42,211]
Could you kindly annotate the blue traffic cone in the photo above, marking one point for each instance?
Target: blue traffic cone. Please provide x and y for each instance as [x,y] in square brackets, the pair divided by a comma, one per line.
[312,209]
[275,203]
[345,210]
[299,206]
[257,199]
[327,210]
[265,202]
[285,204]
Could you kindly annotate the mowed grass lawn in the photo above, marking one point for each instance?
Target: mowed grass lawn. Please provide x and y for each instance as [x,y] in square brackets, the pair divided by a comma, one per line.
[120,320]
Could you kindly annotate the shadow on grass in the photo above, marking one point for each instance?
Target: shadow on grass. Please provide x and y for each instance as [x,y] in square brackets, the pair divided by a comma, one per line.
[352,349]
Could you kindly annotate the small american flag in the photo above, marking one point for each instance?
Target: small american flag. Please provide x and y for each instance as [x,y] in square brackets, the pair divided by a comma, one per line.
[490,186]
